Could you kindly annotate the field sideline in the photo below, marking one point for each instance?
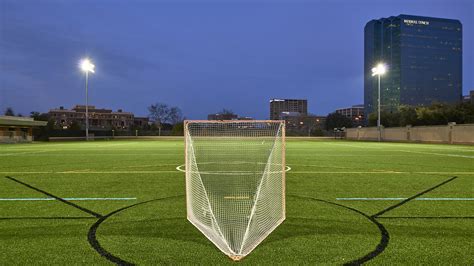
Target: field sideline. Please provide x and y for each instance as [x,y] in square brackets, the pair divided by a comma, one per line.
[347,202]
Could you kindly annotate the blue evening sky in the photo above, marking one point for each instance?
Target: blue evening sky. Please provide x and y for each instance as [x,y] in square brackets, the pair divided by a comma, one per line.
[199,55]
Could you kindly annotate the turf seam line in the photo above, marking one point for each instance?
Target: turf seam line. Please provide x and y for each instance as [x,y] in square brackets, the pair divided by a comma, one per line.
[412,197]
[95,214]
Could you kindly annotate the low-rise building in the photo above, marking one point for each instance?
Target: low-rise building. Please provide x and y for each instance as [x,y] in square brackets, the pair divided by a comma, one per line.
[18,129]
[99,118]
[303,124]
[245,118]
[141,122]
[279,106]
[469,98]
[355,113]
[222,116]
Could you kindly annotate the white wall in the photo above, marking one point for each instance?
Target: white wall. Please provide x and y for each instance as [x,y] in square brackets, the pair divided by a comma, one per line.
[462,134]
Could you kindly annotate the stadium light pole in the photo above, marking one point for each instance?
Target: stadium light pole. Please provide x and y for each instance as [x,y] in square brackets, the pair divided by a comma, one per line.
[87,66]
[378,71]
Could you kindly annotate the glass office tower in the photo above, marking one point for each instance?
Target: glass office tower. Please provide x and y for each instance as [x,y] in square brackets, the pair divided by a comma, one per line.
[424,60]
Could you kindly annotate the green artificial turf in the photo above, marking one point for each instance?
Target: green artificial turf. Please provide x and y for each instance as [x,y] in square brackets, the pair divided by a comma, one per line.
[319,229]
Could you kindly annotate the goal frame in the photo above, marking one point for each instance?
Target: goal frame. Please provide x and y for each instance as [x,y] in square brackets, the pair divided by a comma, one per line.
[283,171]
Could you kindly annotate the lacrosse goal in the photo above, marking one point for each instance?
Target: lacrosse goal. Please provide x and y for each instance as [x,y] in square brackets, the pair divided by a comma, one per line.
[235,181]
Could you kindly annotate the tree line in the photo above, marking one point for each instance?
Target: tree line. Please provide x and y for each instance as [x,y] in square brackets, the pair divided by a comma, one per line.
[162,117]
[435,114]
[170,118]
[166,117]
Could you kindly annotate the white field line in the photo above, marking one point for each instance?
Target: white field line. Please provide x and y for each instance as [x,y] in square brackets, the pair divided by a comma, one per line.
[390,146]
[24,152]
[27,172]
[381,172]
[93,154]
[440,154]
[87,172]
[114,144]
[97,148]
[415,152]
[385,145]
[76,171]
[361,146]
[115,172]
[288,169]
[143,166]
[347,155]
[423,199]
[37,154]
[69,199]
[440,147]
[350,172]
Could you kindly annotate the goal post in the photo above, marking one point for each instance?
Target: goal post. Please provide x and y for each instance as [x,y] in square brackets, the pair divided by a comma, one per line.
[235,181]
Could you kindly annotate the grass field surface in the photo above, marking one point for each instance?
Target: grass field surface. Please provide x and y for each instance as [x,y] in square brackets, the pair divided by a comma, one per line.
[347,202]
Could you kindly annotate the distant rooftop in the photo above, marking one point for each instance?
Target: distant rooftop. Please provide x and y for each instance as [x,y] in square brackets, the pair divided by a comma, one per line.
[353,106]
[415,17]
[92,109]
[20,121]
[283,100]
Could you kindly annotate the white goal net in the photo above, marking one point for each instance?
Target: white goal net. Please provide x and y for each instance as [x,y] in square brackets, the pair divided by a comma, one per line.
[235,181]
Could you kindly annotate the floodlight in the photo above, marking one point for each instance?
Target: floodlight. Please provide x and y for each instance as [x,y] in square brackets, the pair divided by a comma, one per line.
[87,66]
[380,69]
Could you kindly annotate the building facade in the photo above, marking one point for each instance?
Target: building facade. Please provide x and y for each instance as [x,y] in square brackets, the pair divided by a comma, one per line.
[227,116]
[219,116]
[469,98]
[279,106]
[99,119]
[355,113]
[424,60]
[18,129]
[303,125]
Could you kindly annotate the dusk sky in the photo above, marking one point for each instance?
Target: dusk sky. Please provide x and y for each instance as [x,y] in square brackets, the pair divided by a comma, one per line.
[201,56]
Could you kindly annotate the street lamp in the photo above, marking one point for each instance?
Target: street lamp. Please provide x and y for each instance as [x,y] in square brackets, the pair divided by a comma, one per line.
[378,71]
[87,66]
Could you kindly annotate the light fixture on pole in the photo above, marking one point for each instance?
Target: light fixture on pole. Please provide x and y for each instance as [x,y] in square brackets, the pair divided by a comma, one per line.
[87,66]
[378,71]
